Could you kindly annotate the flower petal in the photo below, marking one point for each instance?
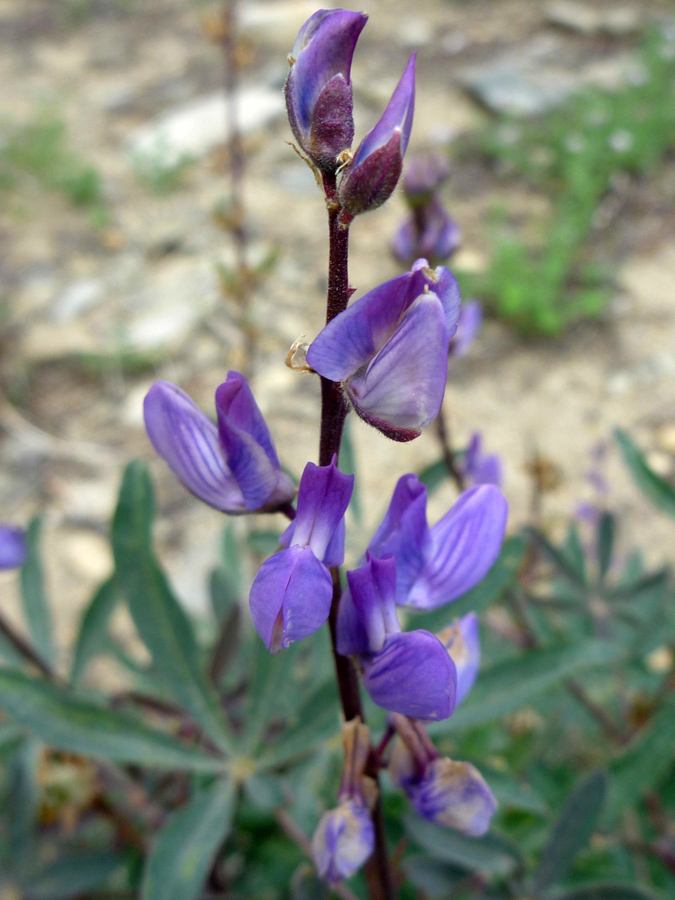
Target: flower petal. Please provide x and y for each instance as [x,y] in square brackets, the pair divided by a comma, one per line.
[413,675]
[465,544]
[293,590]
[343,841]
[354,337]
[456,795]
[405,383]
[398,116]
[462,641]
[248,446]
[13,548]
[323,498]
[188,442]
[372,589]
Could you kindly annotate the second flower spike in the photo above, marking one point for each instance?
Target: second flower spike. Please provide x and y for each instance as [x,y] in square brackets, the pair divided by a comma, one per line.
[389,350]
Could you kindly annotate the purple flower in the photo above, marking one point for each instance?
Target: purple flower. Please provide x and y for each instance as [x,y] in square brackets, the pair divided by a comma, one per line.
[429,232]
[468,326]
[479,467]
[405,672]
[318,89]
[389,350]
[448,793]
[437,565]
[345,837]
[292,592]
[462,642]
[232,466]
[373,173]
[13,547]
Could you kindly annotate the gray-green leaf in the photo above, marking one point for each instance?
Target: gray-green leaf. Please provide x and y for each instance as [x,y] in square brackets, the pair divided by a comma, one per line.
[655,489]
[33,596]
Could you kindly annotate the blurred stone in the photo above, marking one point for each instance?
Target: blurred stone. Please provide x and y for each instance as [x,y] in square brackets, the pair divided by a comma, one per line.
[193,129]
[87,553]
[278,23]
[78,297]
[666,437]
[585,19]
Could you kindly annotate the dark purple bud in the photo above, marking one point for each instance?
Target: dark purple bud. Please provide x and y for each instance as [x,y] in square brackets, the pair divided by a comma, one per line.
[318,89]
[13,547]
[345,837]
[480,467]
[448,793]
[468,326]
[429,232]
[234,466]
[371,176]
[292,592]
[389,350]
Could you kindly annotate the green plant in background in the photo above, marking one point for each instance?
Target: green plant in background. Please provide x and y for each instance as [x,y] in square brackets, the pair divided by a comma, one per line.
[160,172]
[575,154]
[38,150]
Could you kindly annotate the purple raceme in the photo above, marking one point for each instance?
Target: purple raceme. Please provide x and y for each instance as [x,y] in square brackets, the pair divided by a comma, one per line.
[232,466]
[446,792]
[437,565]
[428,231]
[345,837]
[372,174]
[389,350]
[479,467]
[409,672]
[291,595]
[13,548]
[318,90]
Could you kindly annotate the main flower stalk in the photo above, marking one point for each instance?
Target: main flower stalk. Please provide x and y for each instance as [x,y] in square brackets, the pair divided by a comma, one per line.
[333,413]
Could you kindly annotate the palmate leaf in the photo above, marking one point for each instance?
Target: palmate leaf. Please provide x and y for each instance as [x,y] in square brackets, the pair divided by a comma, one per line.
[159,618]
[180,860]
[571,832]
[64,721]
[606,890]
[644,762]
[317,719]
[72,876]
[489,855]
[565,561]
[93,627]
[656,489]
[509,685]
[33,597]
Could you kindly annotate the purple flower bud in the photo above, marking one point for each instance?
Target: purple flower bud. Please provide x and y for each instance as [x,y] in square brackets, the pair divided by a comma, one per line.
[462,641]
[448,793]
[343,841]
[389,350]
[318,89]
[13,547]
[373,173]
[428,232]
[234,466]
[292,592]
[468,326]
[405,672]
[479,467]
[424,174]
[437,565]
[345,836]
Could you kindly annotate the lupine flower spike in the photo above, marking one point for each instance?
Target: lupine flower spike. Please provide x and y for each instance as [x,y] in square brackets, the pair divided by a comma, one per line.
[389,350]
[13,547]
[319,89]
[480,467]
[370,178]
[405,672]
[446,792]
[437,565]
[345,837]
[292,592]
[232,466]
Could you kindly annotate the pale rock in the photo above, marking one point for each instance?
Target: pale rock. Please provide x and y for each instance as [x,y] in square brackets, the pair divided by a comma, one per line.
[87,553]
[585,19]
[191,130]
[78,297]
[666,437]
